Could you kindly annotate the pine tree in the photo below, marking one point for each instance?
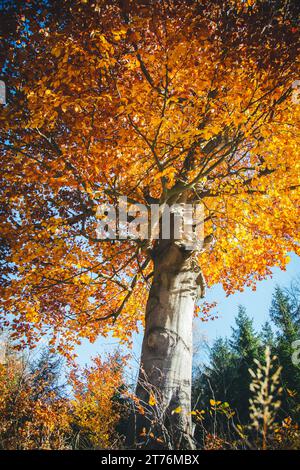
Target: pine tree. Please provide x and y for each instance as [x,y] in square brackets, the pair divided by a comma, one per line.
[214,381]
[246,344]
[221,372]
[294,296]
[283,315]
[267,335]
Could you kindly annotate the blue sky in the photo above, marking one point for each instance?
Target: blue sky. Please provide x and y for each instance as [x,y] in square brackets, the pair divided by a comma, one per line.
[256,302]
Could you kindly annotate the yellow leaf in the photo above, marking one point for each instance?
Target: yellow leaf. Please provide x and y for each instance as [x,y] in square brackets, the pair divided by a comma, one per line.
[214,403]
[152,400]
[177,410]
[56,51]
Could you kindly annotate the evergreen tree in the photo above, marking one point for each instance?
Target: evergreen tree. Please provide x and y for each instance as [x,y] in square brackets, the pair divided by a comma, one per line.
[246,344]
[221,374]
[282,314]
[226,377]
[284,317]
[215,380]
[267,336]
[294,296]
[47,369]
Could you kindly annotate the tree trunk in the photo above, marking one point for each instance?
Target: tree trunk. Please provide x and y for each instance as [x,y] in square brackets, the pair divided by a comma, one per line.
[164,386]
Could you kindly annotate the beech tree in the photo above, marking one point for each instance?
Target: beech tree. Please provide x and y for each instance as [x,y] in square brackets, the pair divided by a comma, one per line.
[163,102]
[96,406]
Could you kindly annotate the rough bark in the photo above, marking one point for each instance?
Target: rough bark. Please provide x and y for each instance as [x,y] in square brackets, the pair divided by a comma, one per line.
[166,360]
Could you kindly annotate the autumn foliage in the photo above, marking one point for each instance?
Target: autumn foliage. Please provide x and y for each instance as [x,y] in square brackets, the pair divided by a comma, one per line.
[96,407]
[32,414]
[108,99]
[38,410]
[162,102]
